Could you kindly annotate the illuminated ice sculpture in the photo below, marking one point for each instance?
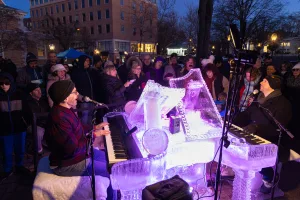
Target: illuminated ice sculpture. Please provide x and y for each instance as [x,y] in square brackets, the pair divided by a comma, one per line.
[200,116]
[202,121]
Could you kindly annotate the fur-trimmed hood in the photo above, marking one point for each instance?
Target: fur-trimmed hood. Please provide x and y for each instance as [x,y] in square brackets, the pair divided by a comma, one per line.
[131,59]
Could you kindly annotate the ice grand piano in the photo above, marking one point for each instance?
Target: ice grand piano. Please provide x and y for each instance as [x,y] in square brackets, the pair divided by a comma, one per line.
[187,151]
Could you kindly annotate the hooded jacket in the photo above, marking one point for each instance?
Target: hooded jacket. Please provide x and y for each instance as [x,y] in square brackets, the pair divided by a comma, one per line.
[11,109]
[27,75]
[83,78]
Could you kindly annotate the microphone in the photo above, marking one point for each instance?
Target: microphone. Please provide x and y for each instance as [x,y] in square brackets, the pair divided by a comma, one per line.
[253,94]
[87,99]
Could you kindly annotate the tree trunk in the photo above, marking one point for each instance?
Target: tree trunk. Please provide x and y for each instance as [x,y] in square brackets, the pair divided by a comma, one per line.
[205,17]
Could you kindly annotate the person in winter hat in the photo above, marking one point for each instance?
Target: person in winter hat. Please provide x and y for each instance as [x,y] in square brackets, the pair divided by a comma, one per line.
[31,73]
[13,128]
[58,74]
[256,120]
[66,137]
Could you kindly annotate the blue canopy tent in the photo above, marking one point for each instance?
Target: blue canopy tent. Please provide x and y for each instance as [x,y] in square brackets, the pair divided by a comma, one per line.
[70,54]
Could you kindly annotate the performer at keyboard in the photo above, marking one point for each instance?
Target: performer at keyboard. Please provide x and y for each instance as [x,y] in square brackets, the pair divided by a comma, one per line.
[66,137]
[255,120]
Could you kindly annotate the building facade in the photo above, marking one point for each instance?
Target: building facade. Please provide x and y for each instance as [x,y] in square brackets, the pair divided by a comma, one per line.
[113,26]
[15,39]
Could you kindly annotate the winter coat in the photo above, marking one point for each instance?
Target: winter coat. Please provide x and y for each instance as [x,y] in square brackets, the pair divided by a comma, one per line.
[52,79]
[220,84]
[27,75]
[173,70]
[36,106]
[135,90]
[12,103]
[114,89]
[157,75]
[83,78]
[277,104]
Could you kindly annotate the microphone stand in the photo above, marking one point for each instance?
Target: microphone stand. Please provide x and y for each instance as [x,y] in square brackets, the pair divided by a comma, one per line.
[90,150]
[281,129]
[227,120]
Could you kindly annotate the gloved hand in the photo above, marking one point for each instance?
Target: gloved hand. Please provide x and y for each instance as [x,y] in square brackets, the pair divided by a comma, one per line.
[251,128]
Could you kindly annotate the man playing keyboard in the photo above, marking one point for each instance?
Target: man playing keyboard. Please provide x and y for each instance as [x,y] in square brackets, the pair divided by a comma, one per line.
[255,120]
[66,137]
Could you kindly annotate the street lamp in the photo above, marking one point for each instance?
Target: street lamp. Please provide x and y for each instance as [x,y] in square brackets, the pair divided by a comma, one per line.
[96,51]
[51,47]
[228,38]
[274,37]
[213,47]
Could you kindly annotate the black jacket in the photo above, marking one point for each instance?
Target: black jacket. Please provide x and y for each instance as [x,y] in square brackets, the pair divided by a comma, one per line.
[114,90]
[277,104]
[36,106]
[11,109]
[83,78]
[135,90]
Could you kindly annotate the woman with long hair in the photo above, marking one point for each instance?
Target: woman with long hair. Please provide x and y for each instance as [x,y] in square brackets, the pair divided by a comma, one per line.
[215,81]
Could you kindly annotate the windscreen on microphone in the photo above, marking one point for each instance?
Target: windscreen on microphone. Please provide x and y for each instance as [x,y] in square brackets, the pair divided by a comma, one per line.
[87,99]
[81,98]
[254,93]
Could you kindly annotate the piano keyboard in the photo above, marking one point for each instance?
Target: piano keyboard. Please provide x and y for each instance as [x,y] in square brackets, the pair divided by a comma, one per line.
[251,139]
[115,145]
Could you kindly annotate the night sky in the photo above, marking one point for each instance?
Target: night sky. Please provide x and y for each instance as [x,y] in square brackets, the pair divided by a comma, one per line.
[292,6]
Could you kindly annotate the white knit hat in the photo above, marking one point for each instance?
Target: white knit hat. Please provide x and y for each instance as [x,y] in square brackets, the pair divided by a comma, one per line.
[57,67]
[297,66]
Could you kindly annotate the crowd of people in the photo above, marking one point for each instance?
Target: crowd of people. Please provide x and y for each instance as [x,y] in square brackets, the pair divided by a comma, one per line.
[56,87]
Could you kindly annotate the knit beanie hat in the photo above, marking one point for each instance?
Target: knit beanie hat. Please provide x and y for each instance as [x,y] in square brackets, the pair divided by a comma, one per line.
[173,55]
[274,82]
[31,86]
[159,58]
[30,57]
[60,90]
[58,67]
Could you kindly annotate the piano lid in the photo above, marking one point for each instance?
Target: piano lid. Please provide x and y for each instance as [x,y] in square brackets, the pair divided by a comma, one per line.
[168,98]
[201,118]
